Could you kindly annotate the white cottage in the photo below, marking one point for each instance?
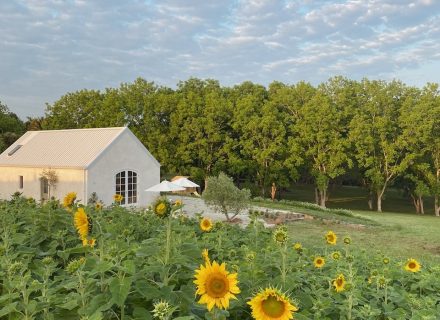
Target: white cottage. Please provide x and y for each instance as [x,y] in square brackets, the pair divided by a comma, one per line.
[106,161]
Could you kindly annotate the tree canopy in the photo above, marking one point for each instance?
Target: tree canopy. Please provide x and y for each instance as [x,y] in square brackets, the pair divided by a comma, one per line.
[370,133]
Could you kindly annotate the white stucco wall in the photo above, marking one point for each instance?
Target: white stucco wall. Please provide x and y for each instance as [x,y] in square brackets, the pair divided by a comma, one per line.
[125,153]
[69,180]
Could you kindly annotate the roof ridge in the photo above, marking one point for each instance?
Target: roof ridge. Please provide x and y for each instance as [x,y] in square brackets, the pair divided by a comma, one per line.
[78,129]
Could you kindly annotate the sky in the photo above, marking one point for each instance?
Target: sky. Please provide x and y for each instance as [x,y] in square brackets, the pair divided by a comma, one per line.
[51,47]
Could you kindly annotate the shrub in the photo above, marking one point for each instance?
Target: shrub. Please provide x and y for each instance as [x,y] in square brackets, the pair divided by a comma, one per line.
[222,195]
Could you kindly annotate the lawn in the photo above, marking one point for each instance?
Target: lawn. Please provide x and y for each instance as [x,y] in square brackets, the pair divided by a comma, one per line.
[355,198]
[398,235]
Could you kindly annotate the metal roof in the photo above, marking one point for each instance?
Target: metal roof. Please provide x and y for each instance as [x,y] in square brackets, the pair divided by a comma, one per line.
[74,148]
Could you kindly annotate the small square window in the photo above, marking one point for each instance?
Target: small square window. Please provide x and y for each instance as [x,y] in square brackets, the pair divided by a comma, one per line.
[20,182]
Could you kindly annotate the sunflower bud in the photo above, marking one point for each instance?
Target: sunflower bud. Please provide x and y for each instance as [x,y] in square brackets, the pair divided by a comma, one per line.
[162,310]
[280,236]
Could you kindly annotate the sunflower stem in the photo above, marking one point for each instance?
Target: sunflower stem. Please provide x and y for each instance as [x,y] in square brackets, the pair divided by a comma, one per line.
[283,249]
[350,296]
[101,253]
[168,241]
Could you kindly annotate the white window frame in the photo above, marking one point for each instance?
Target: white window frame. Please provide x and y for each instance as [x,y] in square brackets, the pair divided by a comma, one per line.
[126,186]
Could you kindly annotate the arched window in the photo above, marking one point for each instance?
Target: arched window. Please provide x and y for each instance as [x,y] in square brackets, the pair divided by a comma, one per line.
[126,185]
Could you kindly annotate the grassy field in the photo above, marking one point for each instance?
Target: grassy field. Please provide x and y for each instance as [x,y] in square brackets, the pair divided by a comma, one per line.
[398,235]
[355,198]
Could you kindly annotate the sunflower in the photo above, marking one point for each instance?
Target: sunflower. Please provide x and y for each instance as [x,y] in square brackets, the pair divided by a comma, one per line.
[347,240]
[118,198]
[298,247]
[319,262]
[215,285]
[81,223]
[177,203]
[69,199]
[99,206]
[162,207]
[331,237]
[88,242]
[339,283]
[206,224]
[386,260]
[280,236]
[412,265]
[270,304]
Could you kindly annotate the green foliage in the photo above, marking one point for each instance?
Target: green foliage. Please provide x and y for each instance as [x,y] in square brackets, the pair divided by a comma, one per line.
[364,133]
[11,127]
[222,195]
[46,273]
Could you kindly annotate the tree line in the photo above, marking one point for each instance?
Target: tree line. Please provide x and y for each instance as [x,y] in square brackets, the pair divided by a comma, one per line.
[370,133]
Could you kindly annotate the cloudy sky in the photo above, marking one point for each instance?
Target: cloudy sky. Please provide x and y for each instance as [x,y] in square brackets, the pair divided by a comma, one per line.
[51,47]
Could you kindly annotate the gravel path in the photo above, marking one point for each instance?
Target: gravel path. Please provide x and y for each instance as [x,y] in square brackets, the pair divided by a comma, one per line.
[197,205]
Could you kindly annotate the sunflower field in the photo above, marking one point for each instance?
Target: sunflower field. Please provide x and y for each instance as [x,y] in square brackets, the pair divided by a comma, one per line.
[65,261]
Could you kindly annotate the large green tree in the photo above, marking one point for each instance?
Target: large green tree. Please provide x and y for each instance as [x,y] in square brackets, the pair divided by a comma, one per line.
[11,127]
[421,127]
[320,133]
[199,127]
[380,149]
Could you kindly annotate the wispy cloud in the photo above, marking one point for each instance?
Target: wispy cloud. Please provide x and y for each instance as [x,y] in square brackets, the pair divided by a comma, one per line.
[50,47]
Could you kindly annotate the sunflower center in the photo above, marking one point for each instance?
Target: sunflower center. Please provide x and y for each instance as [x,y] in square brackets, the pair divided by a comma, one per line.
[412,265]
[339,282]
[319,261]
[217,286]
[272,307]
[206,224]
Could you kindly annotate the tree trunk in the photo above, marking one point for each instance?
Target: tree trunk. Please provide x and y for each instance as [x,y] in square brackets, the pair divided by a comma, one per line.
[416,203]
[370,200]
[322,198]
[422,210]
[379,201]
[437,206]
[317,196]
[206,183]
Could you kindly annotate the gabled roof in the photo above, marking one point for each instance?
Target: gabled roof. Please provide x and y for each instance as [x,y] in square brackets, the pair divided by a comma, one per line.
[74,148]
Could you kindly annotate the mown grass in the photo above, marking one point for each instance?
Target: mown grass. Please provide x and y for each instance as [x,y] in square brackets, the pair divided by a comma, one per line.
[397,235]
[355,198]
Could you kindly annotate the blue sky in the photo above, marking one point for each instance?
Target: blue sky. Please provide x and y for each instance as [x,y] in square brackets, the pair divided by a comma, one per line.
[49,48]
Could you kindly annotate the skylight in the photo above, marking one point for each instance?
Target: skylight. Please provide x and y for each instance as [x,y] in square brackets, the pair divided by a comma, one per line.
[14,150]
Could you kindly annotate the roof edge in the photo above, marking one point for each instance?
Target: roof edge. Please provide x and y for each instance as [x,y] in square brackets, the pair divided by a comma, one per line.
[40,166]
[106,147]
[76,129]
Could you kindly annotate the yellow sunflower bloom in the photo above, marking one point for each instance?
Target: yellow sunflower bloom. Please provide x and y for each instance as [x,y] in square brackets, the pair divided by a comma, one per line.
[319,262]
[81,223]
[412,265]
[271,304]
[178,203]
[331,237]
[69,199]
[118,198]
[206,224]
[215,285]
[161,208]
[99,206]
[339,283]
[297,246]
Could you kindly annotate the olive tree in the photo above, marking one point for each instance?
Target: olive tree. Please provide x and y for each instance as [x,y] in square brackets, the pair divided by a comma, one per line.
[222,195]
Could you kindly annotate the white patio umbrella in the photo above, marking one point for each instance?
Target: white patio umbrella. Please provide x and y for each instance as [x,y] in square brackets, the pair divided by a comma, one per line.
[185,182]
[165,186]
